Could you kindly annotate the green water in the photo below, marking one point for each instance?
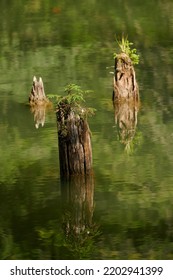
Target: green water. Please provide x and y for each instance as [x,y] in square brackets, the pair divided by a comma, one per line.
[131,201]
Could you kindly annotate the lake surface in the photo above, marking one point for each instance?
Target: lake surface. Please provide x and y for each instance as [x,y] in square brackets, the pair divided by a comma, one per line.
[128,211]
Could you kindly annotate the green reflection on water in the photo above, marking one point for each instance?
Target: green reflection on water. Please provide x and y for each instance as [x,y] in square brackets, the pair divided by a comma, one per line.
[74,43]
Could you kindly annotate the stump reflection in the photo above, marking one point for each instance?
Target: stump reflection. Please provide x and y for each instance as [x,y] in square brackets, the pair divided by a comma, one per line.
[39,113]
[78,207]
[78,204]
[126,113]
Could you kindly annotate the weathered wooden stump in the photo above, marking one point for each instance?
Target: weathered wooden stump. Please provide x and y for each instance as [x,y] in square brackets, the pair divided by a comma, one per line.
[38,102]
[37,95]
[125,85]
[75,152]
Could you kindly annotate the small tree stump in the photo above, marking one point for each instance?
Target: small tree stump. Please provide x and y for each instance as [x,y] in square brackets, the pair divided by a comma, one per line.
[38,102]
[75,152]
[37,95]
[125,84]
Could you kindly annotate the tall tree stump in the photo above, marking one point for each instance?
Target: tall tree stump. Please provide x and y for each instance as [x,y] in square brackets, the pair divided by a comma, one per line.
[125,85]
[75,151]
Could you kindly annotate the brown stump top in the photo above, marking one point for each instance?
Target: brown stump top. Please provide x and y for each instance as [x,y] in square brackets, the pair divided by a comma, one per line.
[125,84]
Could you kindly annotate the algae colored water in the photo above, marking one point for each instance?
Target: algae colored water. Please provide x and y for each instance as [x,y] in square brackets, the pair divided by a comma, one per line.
[126,211]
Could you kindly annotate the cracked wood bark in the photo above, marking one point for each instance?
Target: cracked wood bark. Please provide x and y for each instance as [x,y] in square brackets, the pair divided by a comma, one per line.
[75,152]
[125,84]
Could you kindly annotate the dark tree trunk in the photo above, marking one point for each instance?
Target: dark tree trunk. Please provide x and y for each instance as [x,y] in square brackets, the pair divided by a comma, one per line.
[125,84]
[75,152]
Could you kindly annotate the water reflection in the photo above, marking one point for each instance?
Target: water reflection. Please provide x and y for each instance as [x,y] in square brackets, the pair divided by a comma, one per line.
[72,234]
[78,206]
[39,112]
[126,113]
[77,196]
[35,37]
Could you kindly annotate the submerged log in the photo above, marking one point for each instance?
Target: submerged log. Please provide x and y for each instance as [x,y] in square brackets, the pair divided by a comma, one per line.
[75,152]
[125,85]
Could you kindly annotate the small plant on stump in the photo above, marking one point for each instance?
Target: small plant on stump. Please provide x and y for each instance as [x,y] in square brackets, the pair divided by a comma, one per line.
[126,47]
[74,100]
[75,151]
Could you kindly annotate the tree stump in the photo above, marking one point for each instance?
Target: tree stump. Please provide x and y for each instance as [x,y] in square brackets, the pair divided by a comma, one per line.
[37,95]
[38,102]
[75,152]
[125,85]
